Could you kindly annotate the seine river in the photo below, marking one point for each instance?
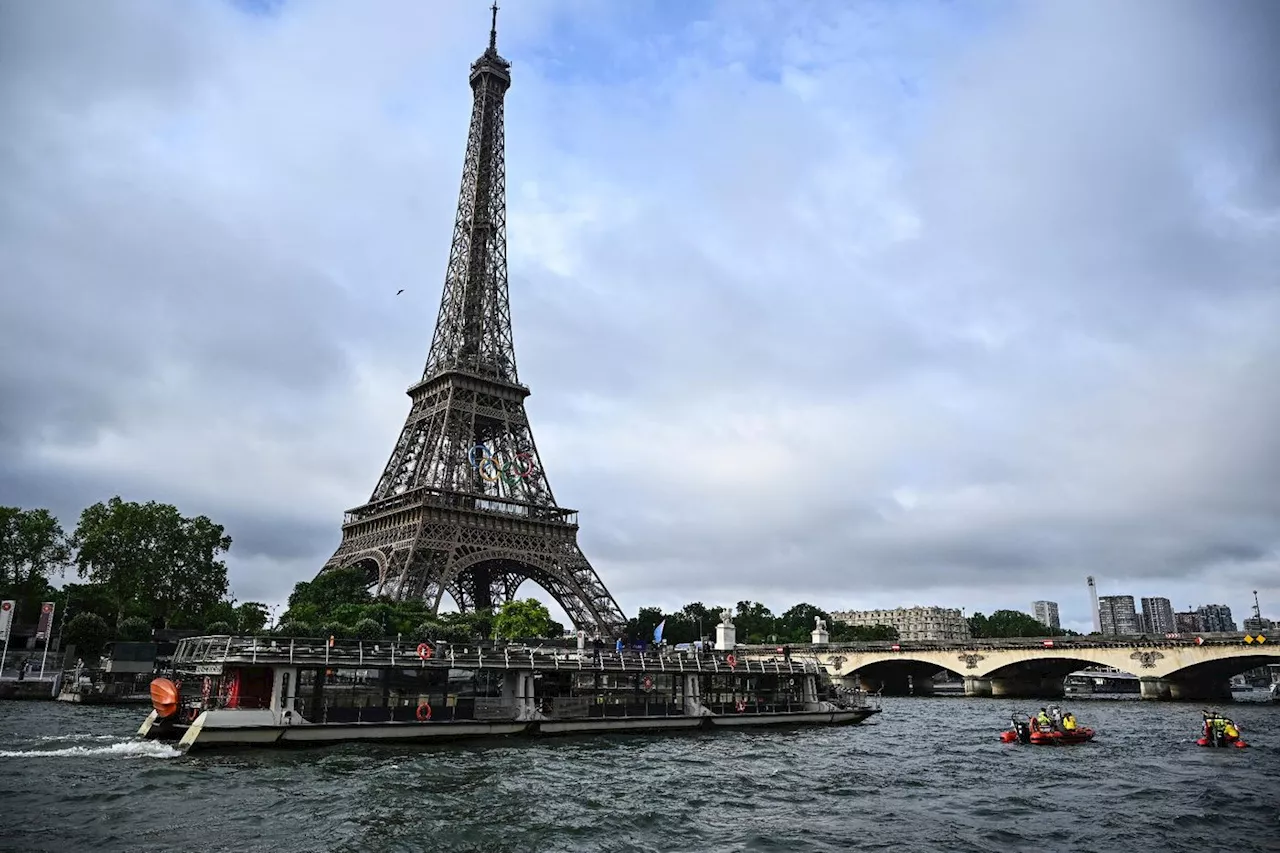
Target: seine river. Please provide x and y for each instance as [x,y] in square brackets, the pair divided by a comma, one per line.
[926,775]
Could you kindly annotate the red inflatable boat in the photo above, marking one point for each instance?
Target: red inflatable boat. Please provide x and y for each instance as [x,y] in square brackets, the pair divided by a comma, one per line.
[1083,734]
[1024,733]
[1208,737]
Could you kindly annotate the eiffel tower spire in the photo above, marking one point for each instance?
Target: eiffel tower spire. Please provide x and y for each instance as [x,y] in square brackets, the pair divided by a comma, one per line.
[463,505]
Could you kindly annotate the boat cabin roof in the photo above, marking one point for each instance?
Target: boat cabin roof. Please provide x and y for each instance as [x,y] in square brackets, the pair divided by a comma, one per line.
[209,655]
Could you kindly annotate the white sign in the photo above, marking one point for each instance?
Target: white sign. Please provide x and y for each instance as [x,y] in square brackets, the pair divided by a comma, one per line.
[6,617]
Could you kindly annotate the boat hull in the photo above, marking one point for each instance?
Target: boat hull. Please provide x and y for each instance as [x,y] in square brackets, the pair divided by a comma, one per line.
[203,734]
[1082,735]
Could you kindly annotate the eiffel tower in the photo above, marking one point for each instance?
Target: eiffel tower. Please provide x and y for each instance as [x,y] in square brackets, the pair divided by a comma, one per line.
[463,505]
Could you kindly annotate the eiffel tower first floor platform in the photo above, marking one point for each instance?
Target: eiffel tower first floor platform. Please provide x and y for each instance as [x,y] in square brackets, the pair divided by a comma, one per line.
[426,542]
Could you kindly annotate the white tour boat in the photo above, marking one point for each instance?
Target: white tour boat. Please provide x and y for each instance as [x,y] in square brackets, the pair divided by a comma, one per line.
[258,691]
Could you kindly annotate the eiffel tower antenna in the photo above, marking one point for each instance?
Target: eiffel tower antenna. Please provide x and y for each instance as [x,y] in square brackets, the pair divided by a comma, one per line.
[463,505]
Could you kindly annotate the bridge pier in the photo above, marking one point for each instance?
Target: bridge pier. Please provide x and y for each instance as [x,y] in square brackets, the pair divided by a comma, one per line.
[1155,688]
[1026,687]
[1186,689]
[974,686]
[898,683]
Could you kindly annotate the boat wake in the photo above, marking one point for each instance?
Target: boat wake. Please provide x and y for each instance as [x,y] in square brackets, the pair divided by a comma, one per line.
[122,749]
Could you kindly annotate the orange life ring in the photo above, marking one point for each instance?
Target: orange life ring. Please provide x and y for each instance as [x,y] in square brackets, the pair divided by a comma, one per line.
[424,651]
[165,697]
[732,661]
[647,683]
[424,712]
[741,706]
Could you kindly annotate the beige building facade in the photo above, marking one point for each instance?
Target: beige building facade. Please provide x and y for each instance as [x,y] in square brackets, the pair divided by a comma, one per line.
[939,624]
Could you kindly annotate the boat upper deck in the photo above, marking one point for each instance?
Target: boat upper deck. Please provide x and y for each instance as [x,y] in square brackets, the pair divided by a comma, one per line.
[209,655]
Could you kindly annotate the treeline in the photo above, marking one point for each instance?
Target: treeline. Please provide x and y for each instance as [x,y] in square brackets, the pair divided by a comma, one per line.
[338,604]
[143,566]
[754,623]
[1012,623]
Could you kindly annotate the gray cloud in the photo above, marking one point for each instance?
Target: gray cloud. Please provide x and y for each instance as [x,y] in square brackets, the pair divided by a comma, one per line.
[946,309]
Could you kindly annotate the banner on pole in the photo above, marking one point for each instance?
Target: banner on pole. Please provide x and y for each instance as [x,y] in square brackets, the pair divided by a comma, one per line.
[6,617]
[46,620]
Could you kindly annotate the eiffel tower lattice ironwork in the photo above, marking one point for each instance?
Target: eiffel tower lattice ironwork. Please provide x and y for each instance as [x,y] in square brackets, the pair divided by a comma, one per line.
[464,505]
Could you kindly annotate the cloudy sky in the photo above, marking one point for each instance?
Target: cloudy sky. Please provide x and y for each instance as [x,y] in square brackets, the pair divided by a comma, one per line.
[866,304]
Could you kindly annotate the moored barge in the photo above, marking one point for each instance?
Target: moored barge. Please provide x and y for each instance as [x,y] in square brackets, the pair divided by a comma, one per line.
[240,691]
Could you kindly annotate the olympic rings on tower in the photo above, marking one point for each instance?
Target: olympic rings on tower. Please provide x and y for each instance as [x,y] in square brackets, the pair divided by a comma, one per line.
[492,468]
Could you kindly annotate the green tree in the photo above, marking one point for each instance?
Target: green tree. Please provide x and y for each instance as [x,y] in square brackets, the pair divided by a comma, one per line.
[755,622]
[318,600]
[32,547]
[368,629]
[152,555]
[428,631]
[219,628]
[334,629]
[796,625]
[134,629]
[89,633]
[1009,623]
[640,627]
[526,619]
[88,598]
[296,629]
[251,617]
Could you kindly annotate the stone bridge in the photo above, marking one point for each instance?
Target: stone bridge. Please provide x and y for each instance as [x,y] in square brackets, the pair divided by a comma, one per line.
[1197,668]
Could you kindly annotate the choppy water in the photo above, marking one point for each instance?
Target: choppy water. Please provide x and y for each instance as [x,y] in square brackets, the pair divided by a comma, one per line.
[926,775]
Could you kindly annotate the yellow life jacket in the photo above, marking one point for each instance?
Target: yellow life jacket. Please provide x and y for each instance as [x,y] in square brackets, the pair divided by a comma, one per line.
[1231,731]
[1069,722]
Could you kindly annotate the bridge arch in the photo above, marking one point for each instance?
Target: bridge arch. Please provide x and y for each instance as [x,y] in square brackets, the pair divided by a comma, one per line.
[901,676]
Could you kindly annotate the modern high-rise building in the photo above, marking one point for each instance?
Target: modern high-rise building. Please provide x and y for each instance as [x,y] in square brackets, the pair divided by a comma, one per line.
[1189,622]
[1117,615]
[1046,612]
[1258,624]
[1217,618]
[1093,600]
[942,624]
[1157,616]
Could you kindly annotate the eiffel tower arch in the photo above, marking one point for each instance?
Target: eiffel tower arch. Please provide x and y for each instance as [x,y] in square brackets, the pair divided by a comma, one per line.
[463,505]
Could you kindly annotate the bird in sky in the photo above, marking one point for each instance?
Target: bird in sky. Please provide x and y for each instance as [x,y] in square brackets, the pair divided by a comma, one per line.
[400,291]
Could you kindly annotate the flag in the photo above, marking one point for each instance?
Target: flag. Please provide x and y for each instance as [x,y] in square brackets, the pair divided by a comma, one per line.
[6,617]
[657,632]
[46,621]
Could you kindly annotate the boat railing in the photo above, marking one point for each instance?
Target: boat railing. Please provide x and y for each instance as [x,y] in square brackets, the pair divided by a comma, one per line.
[494,709]
[209,654]
[571,707]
